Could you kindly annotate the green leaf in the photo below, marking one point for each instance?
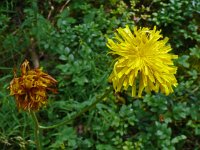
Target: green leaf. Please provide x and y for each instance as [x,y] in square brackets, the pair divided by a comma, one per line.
[182,60]
[178,138]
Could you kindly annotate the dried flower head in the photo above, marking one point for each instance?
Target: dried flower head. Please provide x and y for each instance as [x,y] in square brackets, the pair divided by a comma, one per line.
[142,54]
[30,89]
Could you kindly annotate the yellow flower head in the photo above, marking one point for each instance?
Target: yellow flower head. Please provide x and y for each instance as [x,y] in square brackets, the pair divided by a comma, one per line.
[30,89]
[143,56]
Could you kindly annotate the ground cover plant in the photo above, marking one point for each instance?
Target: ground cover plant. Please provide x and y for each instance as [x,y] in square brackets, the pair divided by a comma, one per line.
[69,40]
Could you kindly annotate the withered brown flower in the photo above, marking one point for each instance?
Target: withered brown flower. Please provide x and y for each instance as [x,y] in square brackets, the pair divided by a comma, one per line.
[30,89]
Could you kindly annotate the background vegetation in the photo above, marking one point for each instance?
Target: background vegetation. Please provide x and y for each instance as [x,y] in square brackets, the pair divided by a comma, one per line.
[69,37]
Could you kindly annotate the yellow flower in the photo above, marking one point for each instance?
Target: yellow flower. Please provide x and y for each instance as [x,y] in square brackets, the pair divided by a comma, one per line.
[30,89]
[143,56]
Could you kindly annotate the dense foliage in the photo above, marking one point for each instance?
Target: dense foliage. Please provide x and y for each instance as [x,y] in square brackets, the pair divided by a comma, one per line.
[69,38]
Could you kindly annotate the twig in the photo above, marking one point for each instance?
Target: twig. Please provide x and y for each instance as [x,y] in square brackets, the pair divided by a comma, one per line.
[34,56]
[64,5]
[50,12]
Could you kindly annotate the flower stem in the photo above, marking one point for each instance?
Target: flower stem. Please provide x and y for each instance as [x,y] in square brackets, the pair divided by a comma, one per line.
[79,113]
[36,130]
